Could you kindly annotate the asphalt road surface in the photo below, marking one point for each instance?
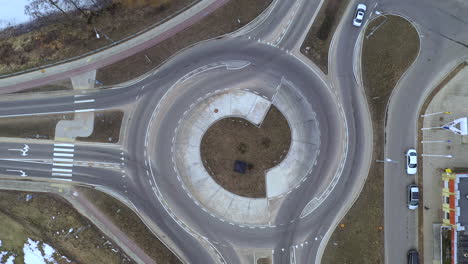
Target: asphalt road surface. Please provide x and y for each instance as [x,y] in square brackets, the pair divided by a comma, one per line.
[140,168]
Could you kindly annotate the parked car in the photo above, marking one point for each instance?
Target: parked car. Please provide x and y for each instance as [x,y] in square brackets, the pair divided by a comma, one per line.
[413,197]
[359,16]
[411,161]
[413,257]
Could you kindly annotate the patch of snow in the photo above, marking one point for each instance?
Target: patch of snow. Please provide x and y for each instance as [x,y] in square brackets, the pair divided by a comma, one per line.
[67,259]
[3,253]
[0,243]
[10,260]
[33,255]
[48,252]
[71,230]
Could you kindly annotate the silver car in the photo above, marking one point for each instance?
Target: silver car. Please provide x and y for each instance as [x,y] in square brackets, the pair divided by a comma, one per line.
[411,161]
[413,197]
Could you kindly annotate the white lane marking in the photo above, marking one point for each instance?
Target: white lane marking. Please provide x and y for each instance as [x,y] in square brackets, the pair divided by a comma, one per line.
[64,149]
[85,110]
[61,159]
[61,170]
[61,179]
[62,164]
[63,155]
[84,101]
[62,174]
[22,173]
[64,145]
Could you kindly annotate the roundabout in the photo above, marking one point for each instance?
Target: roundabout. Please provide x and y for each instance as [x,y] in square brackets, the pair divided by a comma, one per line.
[229,84]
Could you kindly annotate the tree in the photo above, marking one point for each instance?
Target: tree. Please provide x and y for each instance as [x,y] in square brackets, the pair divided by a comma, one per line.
[40,9]
[76,6]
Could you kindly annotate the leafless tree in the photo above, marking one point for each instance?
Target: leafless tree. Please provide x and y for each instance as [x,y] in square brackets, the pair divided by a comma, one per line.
[75,4]
[40,9]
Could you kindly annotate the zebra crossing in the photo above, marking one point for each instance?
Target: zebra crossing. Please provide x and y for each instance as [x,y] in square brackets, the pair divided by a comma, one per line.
[62,164]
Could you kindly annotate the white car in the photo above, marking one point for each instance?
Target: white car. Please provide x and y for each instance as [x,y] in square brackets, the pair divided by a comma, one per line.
[359,16]
[411,161]
[413,197]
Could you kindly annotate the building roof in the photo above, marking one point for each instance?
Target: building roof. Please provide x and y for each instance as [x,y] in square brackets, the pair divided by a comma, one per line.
[463,202]
[462,248]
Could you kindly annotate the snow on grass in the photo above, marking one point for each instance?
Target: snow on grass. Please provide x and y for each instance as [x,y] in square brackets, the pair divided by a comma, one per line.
[48,252]
[10,260]
[32,253]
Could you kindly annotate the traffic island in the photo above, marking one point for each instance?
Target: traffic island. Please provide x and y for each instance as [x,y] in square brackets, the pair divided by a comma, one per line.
[292,159]
[237,153]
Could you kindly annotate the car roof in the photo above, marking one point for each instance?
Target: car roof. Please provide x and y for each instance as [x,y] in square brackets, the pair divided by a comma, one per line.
[413,159]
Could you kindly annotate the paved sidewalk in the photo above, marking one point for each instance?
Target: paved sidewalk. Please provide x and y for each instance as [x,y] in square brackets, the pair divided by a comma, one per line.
[452,98]
[113,54]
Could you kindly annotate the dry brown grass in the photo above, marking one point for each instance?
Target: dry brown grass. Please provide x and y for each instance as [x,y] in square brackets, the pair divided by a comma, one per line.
[131,225]
[74,36]
[49,218]
[232,139]
[317,42]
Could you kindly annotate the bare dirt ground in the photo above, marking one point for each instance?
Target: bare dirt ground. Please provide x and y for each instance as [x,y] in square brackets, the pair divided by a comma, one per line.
[232,139]
[106,127]
[50,219]
[38,127]
[226,20]
[386,55]
[317,42]
[131,225]
[72,35]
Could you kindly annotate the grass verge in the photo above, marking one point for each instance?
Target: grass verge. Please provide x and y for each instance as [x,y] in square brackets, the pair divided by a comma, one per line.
[50,219]
[230,17]
[106,127]
[317,43]
[127,221]
[386,55]
[38,127]
[67,36]
[60,85]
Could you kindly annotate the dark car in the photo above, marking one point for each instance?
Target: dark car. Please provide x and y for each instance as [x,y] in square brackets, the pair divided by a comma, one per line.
[413,257]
